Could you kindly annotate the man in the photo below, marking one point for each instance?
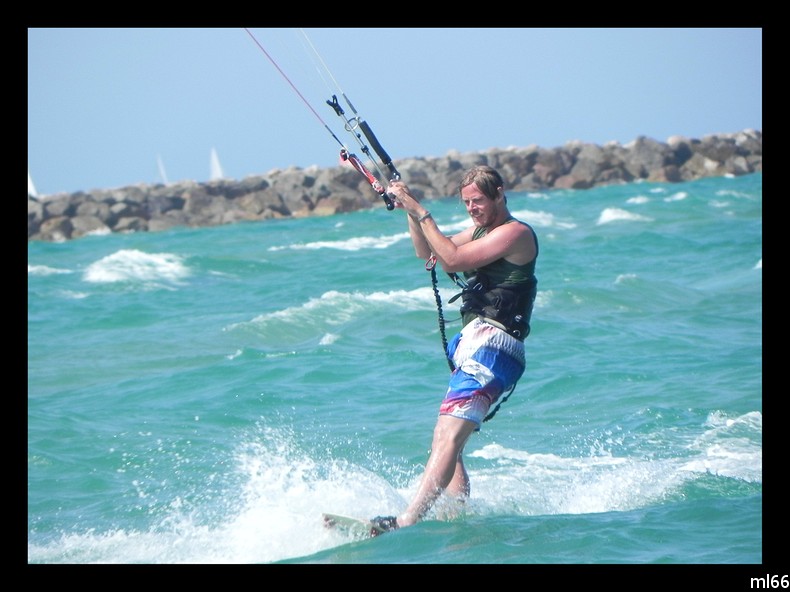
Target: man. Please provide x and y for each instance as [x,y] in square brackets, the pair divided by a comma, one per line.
[497,255]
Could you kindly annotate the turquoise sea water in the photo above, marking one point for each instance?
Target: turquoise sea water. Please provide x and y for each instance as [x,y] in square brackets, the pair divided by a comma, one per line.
[202,395]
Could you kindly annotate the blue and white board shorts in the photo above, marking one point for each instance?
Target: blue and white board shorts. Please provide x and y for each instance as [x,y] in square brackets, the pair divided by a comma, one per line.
[488,361]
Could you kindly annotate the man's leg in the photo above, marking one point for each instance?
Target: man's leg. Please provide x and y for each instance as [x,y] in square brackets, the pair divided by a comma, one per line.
[459,484]
[444,467]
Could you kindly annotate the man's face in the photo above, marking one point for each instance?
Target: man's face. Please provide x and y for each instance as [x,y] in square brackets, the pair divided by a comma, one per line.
[480,207]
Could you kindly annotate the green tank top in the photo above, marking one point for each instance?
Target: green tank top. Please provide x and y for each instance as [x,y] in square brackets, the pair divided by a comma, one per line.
[502,291]
[503,271]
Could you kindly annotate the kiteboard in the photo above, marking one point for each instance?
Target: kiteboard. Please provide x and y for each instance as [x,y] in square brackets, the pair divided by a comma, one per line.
[359,529]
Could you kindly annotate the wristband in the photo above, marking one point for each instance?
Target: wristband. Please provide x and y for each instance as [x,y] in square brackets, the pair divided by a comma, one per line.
[424,217]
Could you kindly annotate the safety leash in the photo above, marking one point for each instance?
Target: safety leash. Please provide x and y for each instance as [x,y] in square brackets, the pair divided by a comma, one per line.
[430,265]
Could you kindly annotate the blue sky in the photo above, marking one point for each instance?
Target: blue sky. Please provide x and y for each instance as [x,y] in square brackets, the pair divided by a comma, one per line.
[110,107]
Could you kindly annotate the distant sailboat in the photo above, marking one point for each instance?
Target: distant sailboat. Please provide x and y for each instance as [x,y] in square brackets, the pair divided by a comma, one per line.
[216,168]
[161,166]
[31,189]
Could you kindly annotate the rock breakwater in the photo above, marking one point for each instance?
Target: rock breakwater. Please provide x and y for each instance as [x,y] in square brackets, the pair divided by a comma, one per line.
[313,191]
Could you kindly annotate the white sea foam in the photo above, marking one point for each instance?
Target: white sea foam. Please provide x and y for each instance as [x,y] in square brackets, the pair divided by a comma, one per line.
[618,215]
[133,265]
[356,243]
[541,219]
[638,199]
[680,195]
[45,270]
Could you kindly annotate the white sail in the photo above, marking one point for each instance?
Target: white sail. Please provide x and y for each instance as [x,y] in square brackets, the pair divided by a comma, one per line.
[216,168]
[31,189]
[162,172]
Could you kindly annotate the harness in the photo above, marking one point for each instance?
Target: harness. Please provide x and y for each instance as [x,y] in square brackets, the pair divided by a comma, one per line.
[507,306]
